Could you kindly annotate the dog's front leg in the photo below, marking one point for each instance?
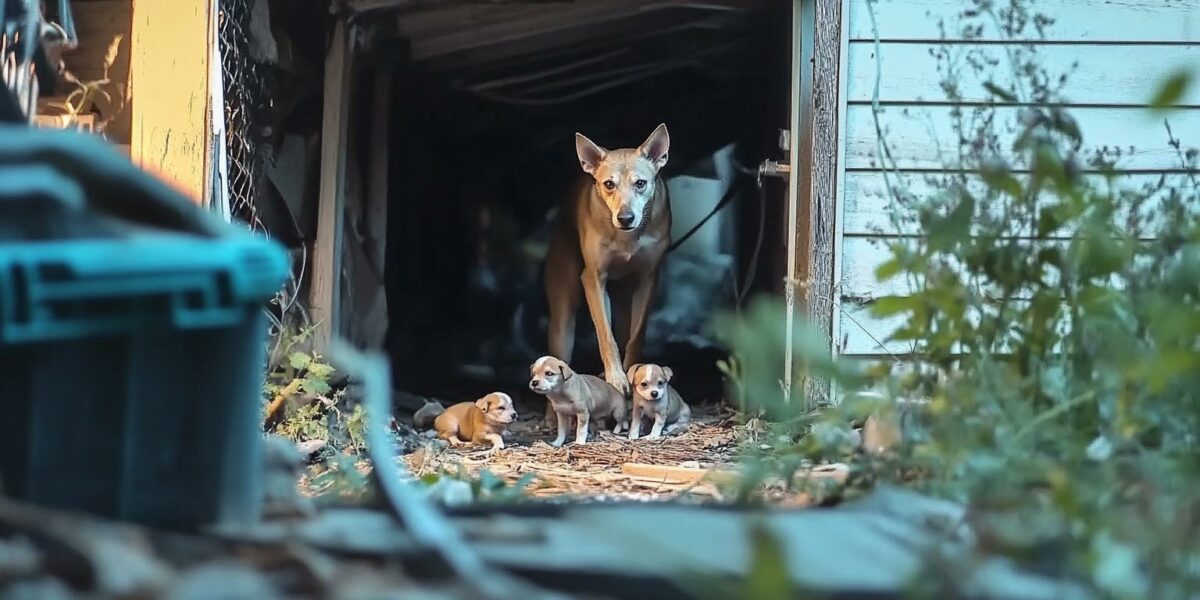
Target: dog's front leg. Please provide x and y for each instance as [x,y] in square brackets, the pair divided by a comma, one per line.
[581,428]
[656,429]
[496,440]
[562,429]
[635,422]
[597,300]
[642,295]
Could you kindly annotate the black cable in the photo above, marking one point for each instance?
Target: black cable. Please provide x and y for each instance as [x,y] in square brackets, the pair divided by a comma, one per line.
[752,267]
[722,203]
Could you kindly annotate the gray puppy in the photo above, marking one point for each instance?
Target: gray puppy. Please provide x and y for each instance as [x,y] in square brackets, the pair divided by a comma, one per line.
[576,395]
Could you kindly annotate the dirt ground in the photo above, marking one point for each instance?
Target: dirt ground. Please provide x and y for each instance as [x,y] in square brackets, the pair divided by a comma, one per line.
[608,467]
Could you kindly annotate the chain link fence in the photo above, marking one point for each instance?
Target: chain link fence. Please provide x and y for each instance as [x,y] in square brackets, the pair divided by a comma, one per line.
[247,87]
[247,101]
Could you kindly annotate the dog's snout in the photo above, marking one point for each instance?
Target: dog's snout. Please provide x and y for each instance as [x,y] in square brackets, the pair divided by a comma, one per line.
[654,394]
[533,383]
[625,219]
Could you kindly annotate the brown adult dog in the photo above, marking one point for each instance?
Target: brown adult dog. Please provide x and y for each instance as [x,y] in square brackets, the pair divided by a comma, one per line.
[572,394]
[610,239]
[654,397]
[483,420]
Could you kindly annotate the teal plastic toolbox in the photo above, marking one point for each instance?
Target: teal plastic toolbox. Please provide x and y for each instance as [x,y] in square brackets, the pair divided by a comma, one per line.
[132,342]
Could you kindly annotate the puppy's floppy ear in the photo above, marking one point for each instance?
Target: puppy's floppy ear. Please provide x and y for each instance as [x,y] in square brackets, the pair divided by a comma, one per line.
[657,147]
[632,372]
[482,403]
[590,155]
[565,371]
[668,373]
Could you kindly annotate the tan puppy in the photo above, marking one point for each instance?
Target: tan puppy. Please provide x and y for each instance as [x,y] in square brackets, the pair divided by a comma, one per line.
[575,395]
[483,420]
[654,397]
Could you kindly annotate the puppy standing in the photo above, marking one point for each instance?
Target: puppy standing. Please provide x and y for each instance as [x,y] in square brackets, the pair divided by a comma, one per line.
[610,239]
[654,397]
[483,420]
[575,395]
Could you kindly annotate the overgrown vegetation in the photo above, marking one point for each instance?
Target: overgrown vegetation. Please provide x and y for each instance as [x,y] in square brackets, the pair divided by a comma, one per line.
[481,488]
[305,401]
[1051,319]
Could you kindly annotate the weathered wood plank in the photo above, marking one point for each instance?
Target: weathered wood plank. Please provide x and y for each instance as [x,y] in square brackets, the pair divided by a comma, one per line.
[925,136]
[674,474]
[820,160]
[169,74]
[864,255]
[866,335]
[1105,75]
[868,209]
[494,29]
[325,290]
[1074,20]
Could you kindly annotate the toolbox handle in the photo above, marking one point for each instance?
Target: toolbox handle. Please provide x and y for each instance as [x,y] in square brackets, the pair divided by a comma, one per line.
[77,169]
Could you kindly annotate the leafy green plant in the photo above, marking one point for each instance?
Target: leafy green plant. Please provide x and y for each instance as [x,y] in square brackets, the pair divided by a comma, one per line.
[486,486]
[300,402]
[732,371]
[338,480]
[1051,316]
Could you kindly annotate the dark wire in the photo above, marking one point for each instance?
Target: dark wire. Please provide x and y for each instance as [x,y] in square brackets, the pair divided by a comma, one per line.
[722,203]
[740,292]
[752,267]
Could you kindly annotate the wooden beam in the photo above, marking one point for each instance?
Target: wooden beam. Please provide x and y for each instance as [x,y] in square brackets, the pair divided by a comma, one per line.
[169,78]
[378,175]
[819,175]
[675,474]
[800,94]
[324,299]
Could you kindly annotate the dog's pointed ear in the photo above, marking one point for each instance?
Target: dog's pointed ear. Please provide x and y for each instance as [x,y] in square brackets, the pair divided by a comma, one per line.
[590,155]
[668,373]
[482,403]
[657,147]
[633,369]
[565,371]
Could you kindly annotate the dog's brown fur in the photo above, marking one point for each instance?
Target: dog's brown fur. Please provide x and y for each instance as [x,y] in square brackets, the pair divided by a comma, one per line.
[654,397]
[575,395]
[483,420]
[611,237]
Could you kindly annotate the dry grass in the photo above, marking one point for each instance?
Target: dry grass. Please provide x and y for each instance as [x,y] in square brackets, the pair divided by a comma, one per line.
[593,471]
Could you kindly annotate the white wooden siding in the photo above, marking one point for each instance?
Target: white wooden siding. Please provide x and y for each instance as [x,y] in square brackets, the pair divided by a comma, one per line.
[1121,51]
[1103,76]
[1075,21]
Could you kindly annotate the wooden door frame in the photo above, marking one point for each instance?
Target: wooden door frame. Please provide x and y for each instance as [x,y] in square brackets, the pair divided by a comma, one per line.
[814,203]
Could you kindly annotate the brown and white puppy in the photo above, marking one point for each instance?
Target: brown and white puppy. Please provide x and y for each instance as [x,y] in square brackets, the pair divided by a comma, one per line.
[572,394]
[654,397]
[483,420]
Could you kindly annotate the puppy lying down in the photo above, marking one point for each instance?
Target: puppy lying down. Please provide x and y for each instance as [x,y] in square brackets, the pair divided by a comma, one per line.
[483,420]
[653,397]
[571,394]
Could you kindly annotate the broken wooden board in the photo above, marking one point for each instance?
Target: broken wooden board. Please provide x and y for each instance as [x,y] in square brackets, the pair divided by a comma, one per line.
[674,474]
[659,551]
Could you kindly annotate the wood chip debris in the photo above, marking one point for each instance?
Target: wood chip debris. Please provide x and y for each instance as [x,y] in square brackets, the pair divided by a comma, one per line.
[608,467]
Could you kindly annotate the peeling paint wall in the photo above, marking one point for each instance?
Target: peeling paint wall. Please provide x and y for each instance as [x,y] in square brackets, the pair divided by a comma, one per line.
[169,80]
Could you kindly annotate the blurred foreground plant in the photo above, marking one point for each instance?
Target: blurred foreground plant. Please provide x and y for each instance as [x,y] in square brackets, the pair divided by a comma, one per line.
[1051,330]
